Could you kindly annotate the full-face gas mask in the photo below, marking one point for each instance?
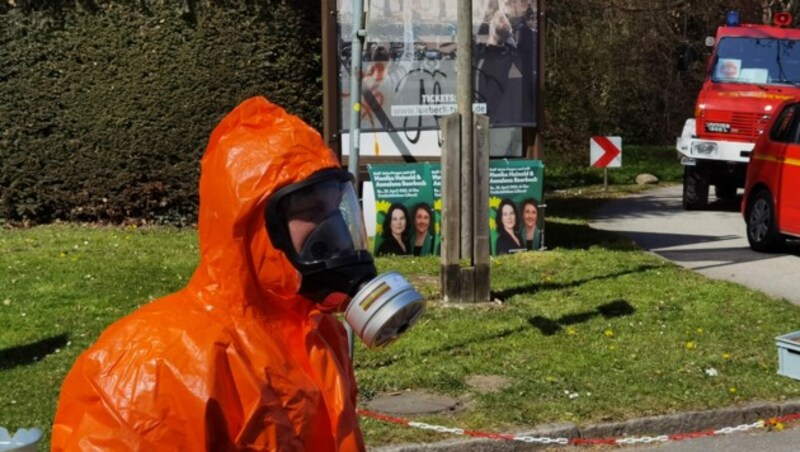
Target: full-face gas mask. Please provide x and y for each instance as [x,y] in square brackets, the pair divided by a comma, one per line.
[318,224]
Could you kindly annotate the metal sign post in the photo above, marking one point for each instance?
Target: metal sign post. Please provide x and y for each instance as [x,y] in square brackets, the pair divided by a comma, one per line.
[357,45]
[605,152]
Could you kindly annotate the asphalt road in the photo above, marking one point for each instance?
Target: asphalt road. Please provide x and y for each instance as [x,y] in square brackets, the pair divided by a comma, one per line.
[712,242]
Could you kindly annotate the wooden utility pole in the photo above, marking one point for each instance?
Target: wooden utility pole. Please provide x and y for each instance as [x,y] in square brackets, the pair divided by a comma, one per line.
[465,183]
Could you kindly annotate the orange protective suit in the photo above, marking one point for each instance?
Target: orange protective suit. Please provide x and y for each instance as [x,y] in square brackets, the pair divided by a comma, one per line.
[236,360]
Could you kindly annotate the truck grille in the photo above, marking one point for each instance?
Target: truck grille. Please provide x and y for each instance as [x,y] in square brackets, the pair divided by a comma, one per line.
[744,126]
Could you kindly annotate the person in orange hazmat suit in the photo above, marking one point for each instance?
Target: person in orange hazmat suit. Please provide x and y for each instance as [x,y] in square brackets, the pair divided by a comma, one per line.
[249,354]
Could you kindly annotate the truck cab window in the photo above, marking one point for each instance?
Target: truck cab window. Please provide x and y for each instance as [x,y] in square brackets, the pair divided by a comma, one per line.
[757,61]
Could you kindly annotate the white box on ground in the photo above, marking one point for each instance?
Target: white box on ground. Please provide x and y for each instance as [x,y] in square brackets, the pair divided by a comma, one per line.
[789,355]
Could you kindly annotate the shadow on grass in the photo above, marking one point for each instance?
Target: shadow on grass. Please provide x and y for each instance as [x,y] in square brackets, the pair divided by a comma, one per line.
[22,355]
[575,207]
[504,295]
[562,233]
[549,327]
[451,349]
[581,236]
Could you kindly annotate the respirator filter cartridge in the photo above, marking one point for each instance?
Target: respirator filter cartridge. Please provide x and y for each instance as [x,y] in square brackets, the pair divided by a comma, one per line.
[383,309]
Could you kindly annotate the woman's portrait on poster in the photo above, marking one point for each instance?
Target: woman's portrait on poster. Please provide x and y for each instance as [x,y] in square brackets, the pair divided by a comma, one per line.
[421,235]
[507,224]
[530,224]
[395,232]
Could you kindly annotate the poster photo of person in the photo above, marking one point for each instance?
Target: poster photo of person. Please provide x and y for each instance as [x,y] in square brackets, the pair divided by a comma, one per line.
[394,232]
[422,238]
[507,238]
[505,60]
[530,231]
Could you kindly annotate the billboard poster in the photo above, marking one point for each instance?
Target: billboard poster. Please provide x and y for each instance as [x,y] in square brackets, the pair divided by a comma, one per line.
[408,199]
[405,222]
[516,210]
[409,64]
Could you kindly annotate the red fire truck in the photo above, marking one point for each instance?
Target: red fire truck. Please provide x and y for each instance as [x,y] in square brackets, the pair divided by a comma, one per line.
[752,69]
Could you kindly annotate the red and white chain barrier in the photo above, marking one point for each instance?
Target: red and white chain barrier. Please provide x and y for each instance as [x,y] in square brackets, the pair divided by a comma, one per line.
[775,423]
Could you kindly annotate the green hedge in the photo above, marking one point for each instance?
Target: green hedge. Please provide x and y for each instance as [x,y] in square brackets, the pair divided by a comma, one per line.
[104,115]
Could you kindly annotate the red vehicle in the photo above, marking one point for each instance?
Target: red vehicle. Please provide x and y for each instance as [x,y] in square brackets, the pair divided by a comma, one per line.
[771,203]
[752,69]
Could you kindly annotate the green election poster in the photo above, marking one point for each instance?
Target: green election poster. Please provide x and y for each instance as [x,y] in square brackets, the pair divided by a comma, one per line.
[404,223]
[436,180]
[516,208]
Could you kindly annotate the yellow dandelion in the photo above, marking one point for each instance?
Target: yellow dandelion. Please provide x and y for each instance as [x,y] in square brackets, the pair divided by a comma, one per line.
[571,331]
[699,331]
[550,379]
[732,390]
[726,356]
[62,254]
[690,345]
[609,332]
[494,202]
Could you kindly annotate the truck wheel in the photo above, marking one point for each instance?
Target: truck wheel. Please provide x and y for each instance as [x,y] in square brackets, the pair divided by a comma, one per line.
[725,190]
[695,188]
[762,229]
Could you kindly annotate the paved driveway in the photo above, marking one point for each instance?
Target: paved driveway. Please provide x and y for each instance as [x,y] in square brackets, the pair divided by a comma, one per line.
[712,242]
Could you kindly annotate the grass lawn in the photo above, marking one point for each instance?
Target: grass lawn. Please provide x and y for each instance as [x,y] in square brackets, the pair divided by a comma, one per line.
[592,330]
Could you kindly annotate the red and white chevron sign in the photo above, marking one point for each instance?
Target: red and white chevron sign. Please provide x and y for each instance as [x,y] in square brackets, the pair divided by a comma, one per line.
[605,152]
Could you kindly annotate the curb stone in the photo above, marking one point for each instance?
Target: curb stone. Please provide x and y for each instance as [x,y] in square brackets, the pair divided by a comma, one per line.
[687,422]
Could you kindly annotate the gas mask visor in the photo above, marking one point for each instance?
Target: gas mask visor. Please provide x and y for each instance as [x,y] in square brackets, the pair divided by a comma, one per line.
[318,224]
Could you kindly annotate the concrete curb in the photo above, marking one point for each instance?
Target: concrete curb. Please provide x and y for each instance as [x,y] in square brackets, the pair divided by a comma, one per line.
[688,422]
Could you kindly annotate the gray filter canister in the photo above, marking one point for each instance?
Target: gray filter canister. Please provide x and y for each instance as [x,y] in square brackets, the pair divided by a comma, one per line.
[383,309]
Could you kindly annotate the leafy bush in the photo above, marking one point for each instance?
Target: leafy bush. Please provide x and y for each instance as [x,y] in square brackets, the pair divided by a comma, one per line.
[105,114]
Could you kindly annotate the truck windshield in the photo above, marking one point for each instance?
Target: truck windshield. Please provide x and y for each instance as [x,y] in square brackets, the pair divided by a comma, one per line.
[761,61]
